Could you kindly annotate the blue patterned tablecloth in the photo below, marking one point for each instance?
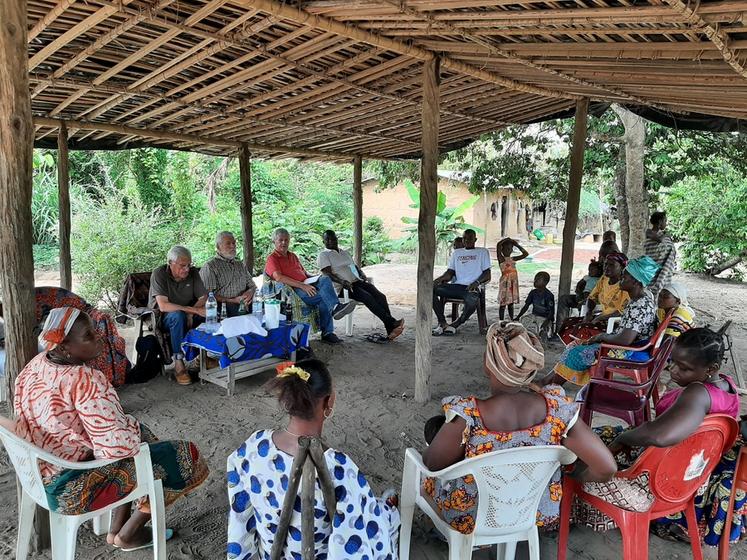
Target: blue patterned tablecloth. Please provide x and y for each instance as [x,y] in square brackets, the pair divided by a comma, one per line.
[280,343]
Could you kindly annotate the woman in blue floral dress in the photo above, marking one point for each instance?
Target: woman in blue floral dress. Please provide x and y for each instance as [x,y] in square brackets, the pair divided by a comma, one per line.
[362,527]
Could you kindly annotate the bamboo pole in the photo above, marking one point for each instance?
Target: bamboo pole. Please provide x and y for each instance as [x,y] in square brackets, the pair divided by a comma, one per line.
[574,196]
[358,210]
[427,228]
[245,172]
[63,190]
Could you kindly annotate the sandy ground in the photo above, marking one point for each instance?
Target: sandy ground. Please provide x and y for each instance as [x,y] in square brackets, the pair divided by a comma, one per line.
[375,420]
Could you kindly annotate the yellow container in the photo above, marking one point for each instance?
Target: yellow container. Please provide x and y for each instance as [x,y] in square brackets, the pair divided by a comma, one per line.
[549,238]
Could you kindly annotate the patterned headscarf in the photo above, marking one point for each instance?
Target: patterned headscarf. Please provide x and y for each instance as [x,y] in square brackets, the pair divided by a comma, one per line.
[618,257]
[643,269]
[513,360]
[57,326]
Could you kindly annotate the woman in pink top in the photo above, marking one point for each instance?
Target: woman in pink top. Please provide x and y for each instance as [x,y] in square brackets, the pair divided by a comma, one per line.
[72,411]
[696,358]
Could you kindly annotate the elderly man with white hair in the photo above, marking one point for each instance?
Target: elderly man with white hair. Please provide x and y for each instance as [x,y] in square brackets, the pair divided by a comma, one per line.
[227,277]
[283,266]
[176,289]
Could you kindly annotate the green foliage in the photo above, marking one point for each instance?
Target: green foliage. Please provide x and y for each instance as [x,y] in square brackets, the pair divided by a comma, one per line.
[44,199]
[449,221]
[390,173]
[114,238]
[709,214]
[46,257]
[149,167]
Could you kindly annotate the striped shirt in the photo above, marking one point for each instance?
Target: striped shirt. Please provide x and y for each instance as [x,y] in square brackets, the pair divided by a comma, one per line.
[226,278]
[72,412]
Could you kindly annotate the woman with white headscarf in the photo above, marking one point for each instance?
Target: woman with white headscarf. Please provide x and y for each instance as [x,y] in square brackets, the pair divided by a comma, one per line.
[517,413]
[71,410]
[674,296]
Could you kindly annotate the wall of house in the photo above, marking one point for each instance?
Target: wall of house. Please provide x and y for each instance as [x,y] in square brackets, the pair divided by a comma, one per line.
[488,216]
[393,203]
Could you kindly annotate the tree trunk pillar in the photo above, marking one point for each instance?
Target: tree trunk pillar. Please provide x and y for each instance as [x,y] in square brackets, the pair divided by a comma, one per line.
[358,210]
[63,193]
[427,228]
[247,233]
[16,152]
[574,197]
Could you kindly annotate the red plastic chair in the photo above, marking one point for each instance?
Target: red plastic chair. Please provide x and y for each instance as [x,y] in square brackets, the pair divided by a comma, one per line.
[628,401]
[739,483]
[675,475]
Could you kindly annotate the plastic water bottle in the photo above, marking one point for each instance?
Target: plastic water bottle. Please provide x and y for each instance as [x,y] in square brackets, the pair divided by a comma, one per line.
[257,302]
[211,313]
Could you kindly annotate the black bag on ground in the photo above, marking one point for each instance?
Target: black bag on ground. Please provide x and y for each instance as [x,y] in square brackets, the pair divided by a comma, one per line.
[149,360]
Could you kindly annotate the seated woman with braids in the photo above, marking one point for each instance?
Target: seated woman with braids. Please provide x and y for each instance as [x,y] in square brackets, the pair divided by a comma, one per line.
[516,414]
[696,358]
[259,472]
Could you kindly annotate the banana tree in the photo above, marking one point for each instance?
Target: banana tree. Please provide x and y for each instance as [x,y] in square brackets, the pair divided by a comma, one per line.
[449,221]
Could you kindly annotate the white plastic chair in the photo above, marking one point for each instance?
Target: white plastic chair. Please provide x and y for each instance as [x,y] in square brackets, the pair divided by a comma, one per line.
[349,316]
[510,484]
[612,323]
[64,528]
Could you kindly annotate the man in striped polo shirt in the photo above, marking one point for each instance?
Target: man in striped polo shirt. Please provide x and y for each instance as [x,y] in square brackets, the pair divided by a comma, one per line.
[227,277]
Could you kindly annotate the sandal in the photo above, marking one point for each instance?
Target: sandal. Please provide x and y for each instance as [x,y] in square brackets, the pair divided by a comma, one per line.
[398,330]
[169,534]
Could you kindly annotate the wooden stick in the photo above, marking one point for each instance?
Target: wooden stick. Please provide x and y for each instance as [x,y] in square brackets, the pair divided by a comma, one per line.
[63,188]
[52,15]
[290,497]
[358,210]
[308,488]
[325,480]
[574,196]
[245,172]
[426,228]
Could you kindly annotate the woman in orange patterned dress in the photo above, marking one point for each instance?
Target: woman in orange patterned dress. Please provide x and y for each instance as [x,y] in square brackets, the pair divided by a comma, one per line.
[72,411]
[516,414]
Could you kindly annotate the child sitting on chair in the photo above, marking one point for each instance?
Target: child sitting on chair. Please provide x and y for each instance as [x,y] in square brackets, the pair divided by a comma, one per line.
[542,301]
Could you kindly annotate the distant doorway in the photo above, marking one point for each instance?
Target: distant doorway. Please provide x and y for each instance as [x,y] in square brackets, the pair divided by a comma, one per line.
[504,216]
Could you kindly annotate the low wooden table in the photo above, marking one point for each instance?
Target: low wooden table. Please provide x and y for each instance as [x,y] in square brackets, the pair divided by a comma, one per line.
[245,355]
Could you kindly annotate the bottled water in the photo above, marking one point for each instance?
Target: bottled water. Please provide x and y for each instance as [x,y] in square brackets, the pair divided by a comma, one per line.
[211,313]
[257,302]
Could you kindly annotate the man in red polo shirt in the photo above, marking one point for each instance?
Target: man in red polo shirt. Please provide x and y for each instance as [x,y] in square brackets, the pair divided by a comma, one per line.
[283,266]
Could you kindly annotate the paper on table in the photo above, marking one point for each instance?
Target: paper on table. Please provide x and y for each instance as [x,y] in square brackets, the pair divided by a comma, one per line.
[312,279]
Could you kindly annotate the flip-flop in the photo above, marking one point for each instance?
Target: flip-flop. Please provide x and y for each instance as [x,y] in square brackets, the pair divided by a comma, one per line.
[398,330]
[169,534]
[449,331]
[377,338]
[438,331]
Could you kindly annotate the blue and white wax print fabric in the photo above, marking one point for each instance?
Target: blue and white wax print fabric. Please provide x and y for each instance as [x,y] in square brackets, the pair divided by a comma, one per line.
[363,528]
[278,343]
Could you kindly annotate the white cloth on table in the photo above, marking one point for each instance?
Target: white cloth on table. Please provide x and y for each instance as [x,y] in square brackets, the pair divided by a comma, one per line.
[241,325]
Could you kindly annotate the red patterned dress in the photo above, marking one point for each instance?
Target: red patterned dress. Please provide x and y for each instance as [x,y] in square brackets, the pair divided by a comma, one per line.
[74,413]
[457,499]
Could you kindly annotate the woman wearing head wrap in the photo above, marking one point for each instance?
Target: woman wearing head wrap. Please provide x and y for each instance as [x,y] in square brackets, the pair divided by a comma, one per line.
[608,293]
[674,296]
[516,414]
[258,482]
[637,324]
[71,410]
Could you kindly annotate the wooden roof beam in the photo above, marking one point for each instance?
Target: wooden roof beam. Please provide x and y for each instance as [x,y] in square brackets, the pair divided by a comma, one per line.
[51,15]
[720,39]
[197,140]
[79,29]
[302,17]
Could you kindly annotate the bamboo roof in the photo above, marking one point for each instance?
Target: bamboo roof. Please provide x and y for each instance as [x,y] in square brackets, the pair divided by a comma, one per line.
[330,79]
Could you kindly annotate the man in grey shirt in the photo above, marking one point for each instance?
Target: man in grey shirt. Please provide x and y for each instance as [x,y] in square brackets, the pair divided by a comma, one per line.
[340,267]
[227,277]
[176,289]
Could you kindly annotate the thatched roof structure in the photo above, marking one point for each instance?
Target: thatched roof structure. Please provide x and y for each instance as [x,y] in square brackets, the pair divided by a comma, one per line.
[330,79]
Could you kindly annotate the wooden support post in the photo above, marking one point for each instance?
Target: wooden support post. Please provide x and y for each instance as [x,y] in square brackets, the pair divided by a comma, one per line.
[63,193]
[358,210]
[16,250]
[16,152]
[427,228]
[247,232]
[574,197]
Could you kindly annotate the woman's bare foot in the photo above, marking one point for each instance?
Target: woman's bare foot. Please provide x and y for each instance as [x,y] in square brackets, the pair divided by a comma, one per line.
[139,538]
[110,538]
